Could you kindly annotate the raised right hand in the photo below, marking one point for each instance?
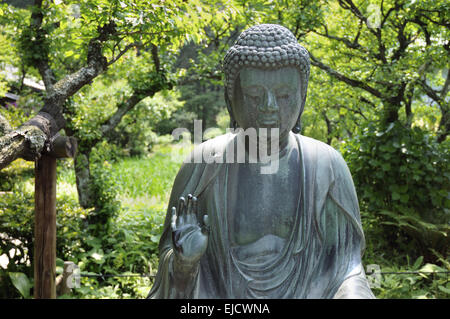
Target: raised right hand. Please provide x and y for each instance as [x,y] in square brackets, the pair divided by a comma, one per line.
[189,236]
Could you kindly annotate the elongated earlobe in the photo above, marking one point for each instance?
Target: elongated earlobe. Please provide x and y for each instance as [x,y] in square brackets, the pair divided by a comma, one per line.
[298,126]
[233,123]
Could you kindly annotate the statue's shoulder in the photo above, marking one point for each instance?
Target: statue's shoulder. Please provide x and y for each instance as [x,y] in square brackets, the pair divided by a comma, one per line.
[200,167]
[320,152]
[198,158]
[218,143]
[213,147]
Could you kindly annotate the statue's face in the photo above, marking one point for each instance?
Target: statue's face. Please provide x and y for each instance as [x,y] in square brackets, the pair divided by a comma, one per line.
[268,99]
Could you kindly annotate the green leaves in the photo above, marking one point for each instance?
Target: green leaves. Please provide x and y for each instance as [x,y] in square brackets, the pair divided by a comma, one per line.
[21,282]
[400,176]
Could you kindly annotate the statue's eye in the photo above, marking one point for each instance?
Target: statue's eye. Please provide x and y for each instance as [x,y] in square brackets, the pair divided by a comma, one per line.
[283,94]
[253,98]
[283,97]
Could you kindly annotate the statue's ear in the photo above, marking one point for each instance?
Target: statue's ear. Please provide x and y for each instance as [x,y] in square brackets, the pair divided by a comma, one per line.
[298,125]
[230,109]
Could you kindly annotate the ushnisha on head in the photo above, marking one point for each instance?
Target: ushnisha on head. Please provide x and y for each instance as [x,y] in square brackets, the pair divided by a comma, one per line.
[266,46]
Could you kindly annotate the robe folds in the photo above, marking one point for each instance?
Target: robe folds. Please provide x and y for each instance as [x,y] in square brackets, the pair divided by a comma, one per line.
[321,258]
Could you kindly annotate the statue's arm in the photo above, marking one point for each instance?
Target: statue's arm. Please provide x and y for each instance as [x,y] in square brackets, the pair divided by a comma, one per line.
[344,276]
[343,197]
[355,286]
[174,278]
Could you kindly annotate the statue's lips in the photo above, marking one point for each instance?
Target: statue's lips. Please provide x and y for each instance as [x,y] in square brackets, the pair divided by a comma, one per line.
[267,121]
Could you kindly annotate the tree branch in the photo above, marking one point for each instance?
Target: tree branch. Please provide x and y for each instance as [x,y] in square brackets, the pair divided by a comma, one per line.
[25,142]
[29,140]
[329,127]
[349,5]
[446,86]
[350,44]
[402,42]
[129,46]
[345,79]
[444,124]
[96,64]
[122,109]
[155,58]
[396,7]
[431,93]
[443,24]
[136,97]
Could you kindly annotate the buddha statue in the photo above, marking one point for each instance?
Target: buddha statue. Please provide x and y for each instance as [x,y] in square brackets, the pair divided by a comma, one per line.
[233,231]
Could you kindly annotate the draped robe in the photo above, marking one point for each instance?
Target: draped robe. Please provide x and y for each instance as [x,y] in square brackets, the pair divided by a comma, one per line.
[321,258]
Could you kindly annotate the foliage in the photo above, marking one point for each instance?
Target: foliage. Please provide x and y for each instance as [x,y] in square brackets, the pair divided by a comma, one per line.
[21,282]
[104,189]
[383,59]
[201,102]
[135,135]
[148,176]
[417,281]
[127,247]
[16,240]
[403,182]
[130,247]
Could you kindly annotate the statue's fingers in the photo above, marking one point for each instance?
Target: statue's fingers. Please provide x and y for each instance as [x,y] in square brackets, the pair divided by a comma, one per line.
[189,210]
[173,223]
[180,210]
[195,209]
[206,220]
[189,204]
[205,227]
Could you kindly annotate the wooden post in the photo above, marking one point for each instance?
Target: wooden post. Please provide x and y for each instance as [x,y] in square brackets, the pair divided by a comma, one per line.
[45,228]
[45,216]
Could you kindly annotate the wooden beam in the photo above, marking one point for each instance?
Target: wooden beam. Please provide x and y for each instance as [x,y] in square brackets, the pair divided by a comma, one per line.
[63,146]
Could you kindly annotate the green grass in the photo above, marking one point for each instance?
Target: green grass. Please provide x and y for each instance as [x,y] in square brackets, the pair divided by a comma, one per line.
[148,180]
[144,177]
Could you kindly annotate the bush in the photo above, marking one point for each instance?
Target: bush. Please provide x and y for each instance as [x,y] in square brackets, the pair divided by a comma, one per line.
[402,179]
[417,280]
[17,231]
[16,239]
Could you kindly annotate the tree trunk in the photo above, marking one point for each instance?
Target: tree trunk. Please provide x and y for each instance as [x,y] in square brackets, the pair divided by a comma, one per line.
[390,113]
[83,179]
[444,124]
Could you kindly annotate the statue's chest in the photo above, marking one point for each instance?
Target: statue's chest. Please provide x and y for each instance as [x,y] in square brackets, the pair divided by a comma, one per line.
[264,204]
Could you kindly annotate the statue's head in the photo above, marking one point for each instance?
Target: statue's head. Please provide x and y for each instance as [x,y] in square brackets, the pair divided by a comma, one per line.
[266,73]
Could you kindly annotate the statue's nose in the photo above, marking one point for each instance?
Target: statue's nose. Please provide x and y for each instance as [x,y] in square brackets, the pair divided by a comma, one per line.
[270,105]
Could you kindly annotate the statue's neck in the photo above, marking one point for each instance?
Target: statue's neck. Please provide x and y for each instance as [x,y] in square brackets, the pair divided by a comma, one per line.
[270,146]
